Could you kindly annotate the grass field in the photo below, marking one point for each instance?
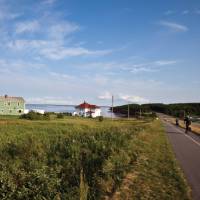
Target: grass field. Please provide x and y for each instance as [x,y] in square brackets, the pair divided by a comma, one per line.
[76,158]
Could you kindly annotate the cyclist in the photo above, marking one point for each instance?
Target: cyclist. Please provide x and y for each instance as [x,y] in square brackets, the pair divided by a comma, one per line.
[187,122]
[177,122]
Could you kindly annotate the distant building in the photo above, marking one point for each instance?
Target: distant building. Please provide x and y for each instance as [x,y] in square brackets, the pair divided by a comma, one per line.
[88,110]
[11,105]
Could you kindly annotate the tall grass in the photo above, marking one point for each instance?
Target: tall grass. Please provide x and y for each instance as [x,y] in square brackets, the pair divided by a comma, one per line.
[68,158]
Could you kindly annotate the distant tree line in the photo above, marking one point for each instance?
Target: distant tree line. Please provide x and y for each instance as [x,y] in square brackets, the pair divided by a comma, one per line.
[178,109]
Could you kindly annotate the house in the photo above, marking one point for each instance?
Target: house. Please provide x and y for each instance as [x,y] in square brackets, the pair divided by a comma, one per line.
[87,110]
[11,105]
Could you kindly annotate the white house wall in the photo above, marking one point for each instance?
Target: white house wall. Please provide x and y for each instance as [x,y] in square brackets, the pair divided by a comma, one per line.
[83,112]
[97,113]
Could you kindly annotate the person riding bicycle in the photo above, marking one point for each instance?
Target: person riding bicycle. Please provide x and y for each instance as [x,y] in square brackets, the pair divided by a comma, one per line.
[177,122]
[187,122]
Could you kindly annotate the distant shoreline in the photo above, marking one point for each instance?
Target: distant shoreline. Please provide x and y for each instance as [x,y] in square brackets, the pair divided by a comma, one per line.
[105,110]
[57,105]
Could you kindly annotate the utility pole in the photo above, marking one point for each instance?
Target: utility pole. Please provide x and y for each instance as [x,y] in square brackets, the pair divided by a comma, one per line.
[128,110]
[112,107]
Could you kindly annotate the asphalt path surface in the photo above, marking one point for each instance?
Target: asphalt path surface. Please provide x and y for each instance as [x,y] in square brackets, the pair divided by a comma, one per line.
[187,151]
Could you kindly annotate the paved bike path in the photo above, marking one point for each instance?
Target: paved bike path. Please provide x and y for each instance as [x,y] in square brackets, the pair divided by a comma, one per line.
[187,151]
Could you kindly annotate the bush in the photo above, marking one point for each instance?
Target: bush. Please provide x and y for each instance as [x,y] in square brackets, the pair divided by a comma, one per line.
[46,116]
[100,118]
[67,114]
[60,115]
[35,116]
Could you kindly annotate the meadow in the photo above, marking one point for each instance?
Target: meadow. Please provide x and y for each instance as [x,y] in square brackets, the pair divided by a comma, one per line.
[76,158]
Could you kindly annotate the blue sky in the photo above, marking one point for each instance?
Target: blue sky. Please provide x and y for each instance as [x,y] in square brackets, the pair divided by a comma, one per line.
[64,51]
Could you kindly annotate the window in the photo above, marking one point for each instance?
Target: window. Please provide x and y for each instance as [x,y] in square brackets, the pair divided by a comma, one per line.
[18,103]
[8,103]
[20,111]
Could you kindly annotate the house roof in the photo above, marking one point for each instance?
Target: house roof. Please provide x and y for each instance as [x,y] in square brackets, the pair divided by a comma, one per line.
[87,105]
[8,98]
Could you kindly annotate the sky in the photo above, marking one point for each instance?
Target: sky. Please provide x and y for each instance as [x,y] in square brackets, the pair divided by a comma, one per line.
[68,51]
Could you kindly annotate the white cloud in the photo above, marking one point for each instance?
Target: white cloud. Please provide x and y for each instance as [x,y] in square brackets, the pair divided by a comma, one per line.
[148,66]
[197,12]
[99,65]
[165,62]
[113,68]
[81,43]
[28,26]
[48,2]
[169,12]
[185,12]
[9,16]
[28,44]
[50,100]
[6,14]
[123,97]
[5,71]
[61,75]
[106,96]
[100,80]
[62,29]
[54,50]
[174,26]
[54,39]
[133,99]
[17,65]
[142,69]
[64,52]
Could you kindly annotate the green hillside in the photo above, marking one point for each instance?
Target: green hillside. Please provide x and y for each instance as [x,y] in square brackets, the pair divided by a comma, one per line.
[178,109]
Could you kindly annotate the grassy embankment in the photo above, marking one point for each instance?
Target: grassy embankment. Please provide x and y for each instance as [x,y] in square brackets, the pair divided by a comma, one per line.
[73,157]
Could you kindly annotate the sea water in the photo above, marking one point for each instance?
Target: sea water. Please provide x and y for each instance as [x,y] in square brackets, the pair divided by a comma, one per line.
[105,110]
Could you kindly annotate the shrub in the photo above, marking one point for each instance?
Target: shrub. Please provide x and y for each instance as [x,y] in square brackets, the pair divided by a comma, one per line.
[60,115]
[32,116]
[67,114]
[100,118]
[35,116]
[46,116]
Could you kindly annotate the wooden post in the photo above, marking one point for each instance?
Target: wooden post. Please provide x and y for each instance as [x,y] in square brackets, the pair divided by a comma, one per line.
[112,107]
[128,110]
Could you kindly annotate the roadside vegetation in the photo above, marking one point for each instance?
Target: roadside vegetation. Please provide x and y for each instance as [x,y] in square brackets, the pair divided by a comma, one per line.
[77,158]
[35,116]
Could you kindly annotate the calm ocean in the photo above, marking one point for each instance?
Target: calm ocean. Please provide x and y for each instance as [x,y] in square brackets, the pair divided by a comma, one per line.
[64,108]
